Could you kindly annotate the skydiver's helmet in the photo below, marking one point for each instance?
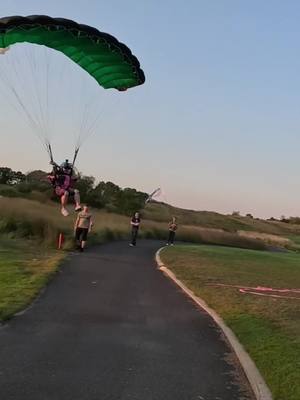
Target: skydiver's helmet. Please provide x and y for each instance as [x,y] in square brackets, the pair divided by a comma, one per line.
[67,167]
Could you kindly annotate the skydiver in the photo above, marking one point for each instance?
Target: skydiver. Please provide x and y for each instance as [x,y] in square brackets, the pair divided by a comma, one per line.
[63,179]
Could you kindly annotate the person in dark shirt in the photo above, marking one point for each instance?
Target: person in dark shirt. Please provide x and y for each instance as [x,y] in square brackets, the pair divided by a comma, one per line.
[135,224]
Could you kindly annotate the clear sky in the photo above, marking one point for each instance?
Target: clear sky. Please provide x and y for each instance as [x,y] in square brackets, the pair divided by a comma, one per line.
[217,123]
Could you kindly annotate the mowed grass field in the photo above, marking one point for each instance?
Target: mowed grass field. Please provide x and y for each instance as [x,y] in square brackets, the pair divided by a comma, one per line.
[24,269]
[268,327]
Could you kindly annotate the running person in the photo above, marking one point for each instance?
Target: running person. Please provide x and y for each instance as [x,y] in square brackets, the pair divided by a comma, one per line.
[63,179]
[135,224]
[83,225]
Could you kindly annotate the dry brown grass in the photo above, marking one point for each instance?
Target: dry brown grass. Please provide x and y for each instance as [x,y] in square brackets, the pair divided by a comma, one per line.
[267,238]
[207,219]
[30,218]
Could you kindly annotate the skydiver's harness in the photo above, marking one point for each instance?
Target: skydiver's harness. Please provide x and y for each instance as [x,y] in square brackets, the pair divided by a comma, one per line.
[61,181]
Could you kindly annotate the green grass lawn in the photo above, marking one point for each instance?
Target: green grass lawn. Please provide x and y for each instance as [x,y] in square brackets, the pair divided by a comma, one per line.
[269,328]
[24,270]
[295,238]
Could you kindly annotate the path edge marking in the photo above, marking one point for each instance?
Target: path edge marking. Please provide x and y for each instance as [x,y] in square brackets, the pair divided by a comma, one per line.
[257,382]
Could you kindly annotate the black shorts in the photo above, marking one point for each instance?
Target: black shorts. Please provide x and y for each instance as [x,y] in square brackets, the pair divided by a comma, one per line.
[81,234]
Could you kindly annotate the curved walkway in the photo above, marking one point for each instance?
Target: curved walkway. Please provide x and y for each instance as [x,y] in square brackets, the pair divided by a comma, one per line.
[111,327]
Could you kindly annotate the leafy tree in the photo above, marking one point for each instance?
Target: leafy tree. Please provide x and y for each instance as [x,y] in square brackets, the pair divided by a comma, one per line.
[130,200]
[113,198]
[85,185]
[17,177]
[104,195]
[285,220]
[295,220]
[36,176]
[5,175]
[97,196]
[35,180]
[10,177]
[107,194]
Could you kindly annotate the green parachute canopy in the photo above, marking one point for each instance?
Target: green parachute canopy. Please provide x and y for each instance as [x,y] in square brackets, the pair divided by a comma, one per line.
[110,62]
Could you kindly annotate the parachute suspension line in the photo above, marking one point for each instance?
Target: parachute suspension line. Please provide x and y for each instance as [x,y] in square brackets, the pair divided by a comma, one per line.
[47,72]
[84,112]
[16,65]
[86,116]
[10,69]
[28,117]
[40,107]
[31,57]
[91,128]
[9,85]
[35,110]
[84,121]
[60,78]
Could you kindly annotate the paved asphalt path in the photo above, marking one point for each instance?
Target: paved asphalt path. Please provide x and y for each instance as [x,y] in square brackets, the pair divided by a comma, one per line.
[110,326]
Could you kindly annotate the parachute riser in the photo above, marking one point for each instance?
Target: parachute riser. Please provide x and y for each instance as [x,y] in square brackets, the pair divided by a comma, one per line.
[75,156]
[49,150]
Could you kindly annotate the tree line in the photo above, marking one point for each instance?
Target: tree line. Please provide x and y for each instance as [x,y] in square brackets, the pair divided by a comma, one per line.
[102,195]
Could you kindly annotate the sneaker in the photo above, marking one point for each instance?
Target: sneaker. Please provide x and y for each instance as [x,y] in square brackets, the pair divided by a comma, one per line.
[131,245]
[78,208]
[172,244]
[167,244]
[64,212]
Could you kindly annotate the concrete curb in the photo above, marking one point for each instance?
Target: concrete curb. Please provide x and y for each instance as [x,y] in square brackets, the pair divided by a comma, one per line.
[259,387]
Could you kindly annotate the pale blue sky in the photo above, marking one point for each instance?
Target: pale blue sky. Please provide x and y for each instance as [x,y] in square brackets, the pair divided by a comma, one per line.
[217,122]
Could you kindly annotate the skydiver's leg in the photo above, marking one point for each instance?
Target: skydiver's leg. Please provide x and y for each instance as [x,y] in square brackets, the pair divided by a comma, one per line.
[77,200]
[64,201]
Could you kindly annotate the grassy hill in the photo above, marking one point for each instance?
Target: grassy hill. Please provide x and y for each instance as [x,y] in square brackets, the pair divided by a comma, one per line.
[162,213]
[33,219]
[207,219]
[36,215]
